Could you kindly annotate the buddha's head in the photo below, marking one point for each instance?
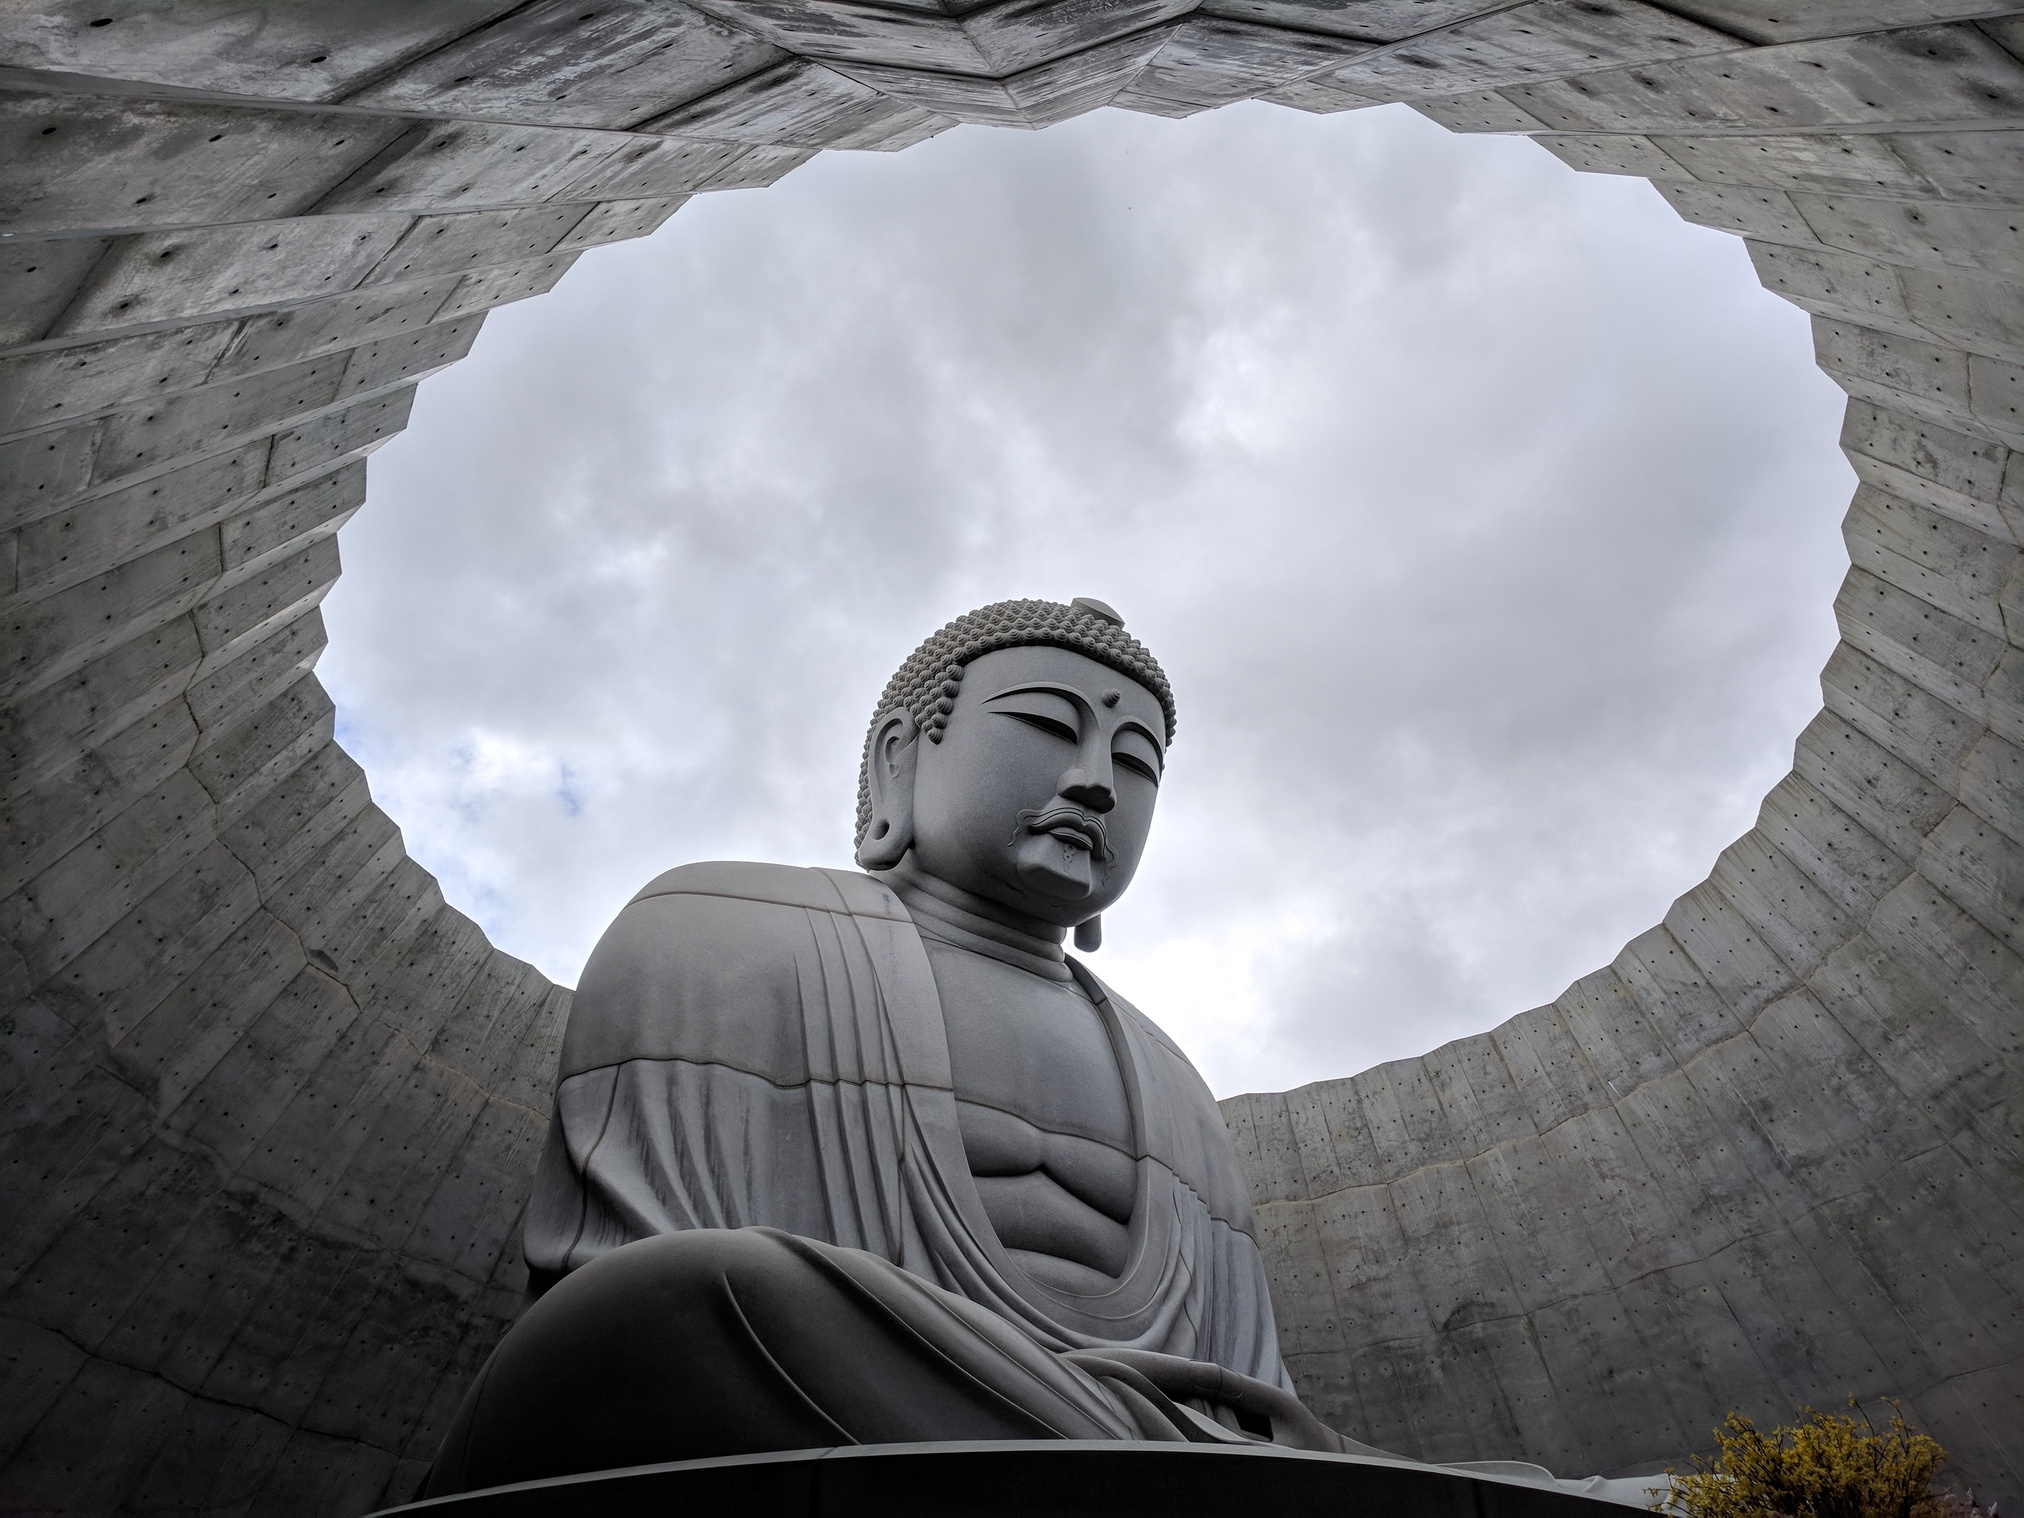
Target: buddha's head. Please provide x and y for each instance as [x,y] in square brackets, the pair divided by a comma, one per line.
[1017,756]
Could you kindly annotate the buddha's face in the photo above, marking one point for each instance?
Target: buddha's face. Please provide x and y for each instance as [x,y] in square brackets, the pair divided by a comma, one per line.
[1041,792]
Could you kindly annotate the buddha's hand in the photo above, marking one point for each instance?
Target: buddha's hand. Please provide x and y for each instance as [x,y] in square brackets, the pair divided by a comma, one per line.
[1262,1413]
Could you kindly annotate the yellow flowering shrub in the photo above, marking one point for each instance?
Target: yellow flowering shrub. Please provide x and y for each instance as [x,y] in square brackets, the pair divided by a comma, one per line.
[1828,1466]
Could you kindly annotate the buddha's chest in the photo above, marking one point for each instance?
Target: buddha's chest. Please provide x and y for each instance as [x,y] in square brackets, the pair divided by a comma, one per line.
[1046,1124]
[1032,1048]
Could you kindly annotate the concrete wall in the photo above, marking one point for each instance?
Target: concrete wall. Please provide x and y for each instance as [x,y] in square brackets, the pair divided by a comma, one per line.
[270,1106]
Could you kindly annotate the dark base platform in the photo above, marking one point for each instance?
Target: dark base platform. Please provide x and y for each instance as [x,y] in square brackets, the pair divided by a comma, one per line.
[998,1480]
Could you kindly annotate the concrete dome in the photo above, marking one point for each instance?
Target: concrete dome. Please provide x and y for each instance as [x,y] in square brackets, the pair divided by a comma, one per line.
[272,1105]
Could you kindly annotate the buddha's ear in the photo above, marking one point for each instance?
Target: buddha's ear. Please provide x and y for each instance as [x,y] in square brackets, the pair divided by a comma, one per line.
[889,767]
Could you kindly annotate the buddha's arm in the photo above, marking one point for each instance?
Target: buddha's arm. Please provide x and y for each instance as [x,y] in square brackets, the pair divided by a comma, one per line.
[681,1091]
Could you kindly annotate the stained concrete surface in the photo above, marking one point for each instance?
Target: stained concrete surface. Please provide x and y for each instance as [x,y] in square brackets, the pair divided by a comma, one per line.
[272,1106]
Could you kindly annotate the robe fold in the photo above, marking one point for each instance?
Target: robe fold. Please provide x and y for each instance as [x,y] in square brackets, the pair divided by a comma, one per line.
[761,1046]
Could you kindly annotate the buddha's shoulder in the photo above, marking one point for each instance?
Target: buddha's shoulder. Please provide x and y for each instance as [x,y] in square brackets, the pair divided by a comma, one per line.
[775,885]
[714,961]
[707,926]
[1149,1030]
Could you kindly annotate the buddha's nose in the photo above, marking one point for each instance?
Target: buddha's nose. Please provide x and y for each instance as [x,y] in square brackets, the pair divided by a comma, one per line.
[1077,786]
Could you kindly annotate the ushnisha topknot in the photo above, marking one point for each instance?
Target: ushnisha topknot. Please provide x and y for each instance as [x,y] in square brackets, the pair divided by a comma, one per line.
[926,685]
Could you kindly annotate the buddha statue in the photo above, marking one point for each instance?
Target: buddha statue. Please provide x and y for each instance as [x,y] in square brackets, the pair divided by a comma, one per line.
[864,1157]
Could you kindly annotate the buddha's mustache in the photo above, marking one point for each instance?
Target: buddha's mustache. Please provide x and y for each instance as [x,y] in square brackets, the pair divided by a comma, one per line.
[1072,817]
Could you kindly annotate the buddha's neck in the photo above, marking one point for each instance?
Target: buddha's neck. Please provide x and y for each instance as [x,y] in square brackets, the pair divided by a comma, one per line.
[954,916]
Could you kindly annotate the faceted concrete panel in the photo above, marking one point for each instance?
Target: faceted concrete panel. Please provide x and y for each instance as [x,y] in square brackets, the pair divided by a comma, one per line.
[272,1106]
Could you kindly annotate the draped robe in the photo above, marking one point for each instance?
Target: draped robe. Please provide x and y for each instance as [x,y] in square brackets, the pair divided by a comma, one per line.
[757,1060]
[762,1046]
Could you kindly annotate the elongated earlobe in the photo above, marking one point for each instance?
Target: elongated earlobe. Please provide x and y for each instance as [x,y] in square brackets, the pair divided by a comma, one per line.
[889,767]
[1089,935]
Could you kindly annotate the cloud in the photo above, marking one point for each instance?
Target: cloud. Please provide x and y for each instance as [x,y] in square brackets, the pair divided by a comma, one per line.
[1484,514]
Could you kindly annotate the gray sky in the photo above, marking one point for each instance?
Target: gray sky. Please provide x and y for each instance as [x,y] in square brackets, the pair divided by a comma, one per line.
[1485,516]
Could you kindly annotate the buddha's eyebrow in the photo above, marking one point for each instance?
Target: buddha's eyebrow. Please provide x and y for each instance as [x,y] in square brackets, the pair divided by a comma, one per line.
[1151,737]
[1050,688]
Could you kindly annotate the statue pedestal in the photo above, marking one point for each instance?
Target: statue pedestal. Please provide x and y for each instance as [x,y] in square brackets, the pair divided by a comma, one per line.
[1058,1478]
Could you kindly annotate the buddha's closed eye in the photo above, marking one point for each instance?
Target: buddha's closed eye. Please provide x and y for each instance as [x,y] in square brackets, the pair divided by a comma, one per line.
[1053,726]
[1057,715]
[1126,760]
[1123,758]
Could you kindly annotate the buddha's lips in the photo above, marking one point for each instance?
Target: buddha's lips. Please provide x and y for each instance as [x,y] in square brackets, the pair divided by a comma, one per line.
[1088,830]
